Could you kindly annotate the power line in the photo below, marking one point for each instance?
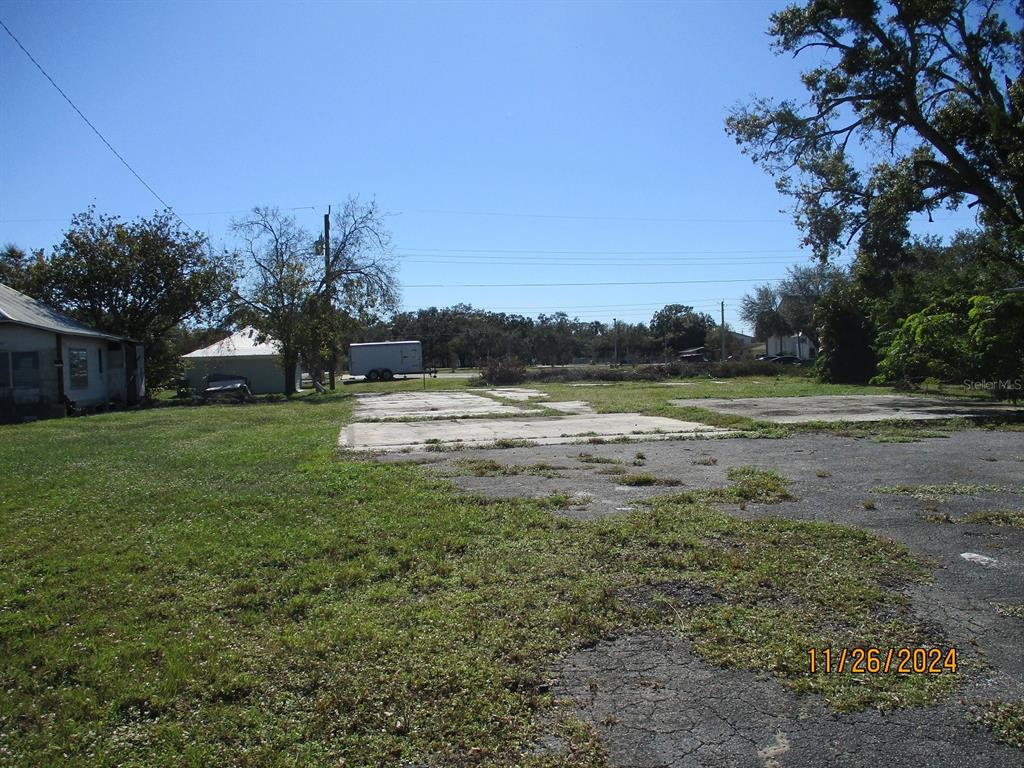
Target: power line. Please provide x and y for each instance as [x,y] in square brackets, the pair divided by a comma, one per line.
[519,215]
[564,285]
[599,264]
[605,307]
[418,251]
[89,123]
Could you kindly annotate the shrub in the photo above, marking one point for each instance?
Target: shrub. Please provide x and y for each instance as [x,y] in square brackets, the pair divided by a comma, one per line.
[661,371]
[847,336]
[504,370]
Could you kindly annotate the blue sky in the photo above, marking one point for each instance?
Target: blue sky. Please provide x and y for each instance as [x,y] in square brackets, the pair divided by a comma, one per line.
[509,143]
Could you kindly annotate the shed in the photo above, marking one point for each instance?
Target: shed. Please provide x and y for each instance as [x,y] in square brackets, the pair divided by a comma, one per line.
[241,355]
[49,361]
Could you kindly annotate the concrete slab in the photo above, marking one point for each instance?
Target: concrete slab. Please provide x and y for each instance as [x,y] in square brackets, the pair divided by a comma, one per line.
[796,410]
[571,406]
[513,393]
[419,435]
[427,405]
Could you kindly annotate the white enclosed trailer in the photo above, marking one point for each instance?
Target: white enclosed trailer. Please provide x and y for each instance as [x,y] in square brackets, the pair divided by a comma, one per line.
[380,361]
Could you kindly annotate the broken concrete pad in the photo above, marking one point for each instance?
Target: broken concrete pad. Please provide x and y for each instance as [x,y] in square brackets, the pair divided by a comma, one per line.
[419,435]
[513,393]
[427,405]
[985,560]
[798,410]
[570,406]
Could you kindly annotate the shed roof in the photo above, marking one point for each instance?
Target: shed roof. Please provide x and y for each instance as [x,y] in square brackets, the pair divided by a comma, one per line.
[19,309]
[242,343]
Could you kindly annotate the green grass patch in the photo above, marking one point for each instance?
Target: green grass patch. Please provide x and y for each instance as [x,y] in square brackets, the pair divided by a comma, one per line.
[747,484]
[218,585]
[491,468]
[1005,517]
[645,479]
[1008,517]
[1015,610]
[589,458]
[1005,719]
[938,492]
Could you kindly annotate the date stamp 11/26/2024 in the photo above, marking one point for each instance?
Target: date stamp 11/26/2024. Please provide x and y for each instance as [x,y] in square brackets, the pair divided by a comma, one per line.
[873,661]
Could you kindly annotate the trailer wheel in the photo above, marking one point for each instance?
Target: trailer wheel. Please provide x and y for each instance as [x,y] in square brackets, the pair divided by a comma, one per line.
[373,375]
[386,375]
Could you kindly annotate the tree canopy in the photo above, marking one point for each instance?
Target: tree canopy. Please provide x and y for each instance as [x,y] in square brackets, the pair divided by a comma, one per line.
[308,300]
[139,278]
[679,327]
[789,306]
[912,105]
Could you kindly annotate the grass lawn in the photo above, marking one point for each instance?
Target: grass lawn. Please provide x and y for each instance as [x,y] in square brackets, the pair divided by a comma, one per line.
[215,586]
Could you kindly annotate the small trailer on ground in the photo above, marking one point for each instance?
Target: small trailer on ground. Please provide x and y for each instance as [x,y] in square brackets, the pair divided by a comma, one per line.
[381,361]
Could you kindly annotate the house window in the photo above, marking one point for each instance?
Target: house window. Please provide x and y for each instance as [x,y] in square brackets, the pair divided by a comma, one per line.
[78,364]
[25,370]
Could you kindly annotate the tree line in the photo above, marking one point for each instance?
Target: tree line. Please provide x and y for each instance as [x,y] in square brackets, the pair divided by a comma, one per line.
[155,280]
[462,335]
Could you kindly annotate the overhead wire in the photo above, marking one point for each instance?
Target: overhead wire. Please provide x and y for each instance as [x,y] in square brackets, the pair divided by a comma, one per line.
[560,285]
[88,122]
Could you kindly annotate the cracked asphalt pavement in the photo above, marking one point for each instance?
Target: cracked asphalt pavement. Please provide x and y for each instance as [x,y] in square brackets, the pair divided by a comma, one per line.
[655,703]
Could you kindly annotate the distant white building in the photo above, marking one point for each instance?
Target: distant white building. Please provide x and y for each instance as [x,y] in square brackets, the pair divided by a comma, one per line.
[240,356]
[50,362]
[796,344]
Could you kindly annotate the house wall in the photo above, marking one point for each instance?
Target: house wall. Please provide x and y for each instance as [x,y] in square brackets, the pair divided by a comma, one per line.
[96,390]
[789,345]
[265,373]
[18,338]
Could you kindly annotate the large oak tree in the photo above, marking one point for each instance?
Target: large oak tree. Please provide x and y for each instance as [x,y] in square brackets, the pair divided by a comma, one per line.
[911,106]
[139,278]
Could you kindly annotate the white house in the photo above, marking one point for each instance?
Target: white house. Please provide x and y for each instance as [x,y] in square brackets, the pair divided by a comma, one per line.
[240,356]
[49,362]
[796,344]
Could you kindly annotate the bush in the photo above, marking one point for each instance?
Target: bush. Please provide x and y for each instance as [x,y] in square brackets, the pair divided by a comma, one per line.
[973,340]
[662,371]
[503,370]
[927,344]
[847,336]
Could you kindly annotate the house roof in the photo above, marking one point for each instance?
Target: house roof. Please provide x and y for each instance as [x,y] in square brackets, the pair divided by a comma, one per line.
[19,309]
[243,343]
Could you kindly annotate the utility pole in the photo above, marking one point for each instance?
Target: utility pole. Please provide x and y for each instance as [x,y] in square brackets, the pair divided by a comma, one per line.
[721,333]
[329,286]
[615,325]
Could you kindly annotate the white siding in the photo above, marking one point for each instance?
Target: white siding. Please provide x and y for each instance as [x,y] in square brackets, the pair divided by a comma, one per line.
[97,391]
[265,372]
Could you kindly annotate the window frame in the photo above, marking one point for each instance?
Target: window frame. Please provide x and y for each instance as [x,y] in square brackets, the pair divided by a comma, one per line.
[36,378]
[78,368]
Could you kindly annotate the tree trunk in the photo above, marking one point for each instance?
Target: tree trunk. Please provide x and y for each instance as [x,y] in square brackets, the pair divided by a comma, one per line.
[289,376]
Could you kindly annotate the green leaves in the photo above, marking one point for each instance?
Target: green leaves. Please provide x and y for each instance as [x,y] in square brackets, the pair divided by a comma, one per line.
[927,90]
